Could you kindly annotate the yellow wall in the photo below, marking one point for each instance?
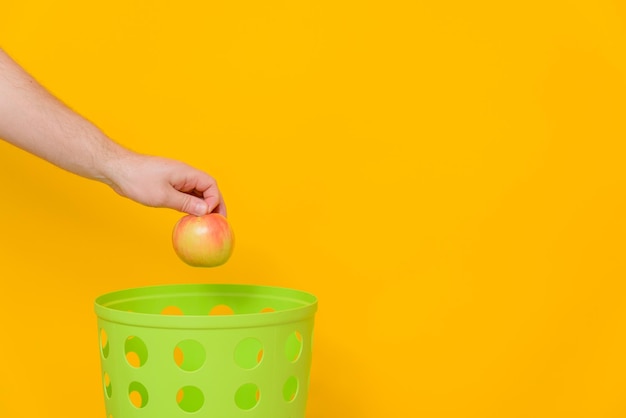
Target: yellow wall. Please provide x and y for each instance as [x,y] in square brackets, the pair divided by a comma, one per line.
[447,177]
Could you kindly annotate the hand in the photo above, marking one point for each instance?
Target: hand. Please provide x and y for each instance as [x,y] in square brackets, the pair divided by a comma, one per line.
[34,120]
[162,182]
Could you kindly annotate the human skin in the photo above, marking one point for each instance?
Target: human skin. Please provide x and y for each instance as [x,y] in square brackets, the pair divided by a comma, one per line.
[32,119]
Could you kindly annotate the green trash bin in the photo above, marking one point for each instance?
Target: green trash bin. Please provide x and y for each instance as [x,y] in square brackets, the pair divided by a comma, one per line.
[206,350]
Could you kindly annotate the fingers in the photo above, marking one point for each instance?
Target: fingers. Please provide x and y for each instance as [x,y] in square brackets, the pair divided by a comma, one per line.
[221,209]
[192,205]
[198,192]
[185,202]
[162,182]
[215,203]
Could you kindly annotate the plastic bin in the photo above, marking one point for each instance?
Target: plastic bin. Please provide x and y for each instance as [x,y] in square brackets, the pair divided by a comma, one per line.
[208,350]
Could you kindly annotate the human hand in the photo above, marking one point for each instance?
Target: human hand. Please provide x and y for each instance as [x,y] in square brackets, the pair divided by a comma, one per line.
[162,182]
[34,120]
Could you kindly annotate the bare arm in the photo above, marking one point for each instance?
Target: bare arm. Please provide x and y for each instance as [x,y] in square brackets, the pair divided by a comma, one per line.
[33,119]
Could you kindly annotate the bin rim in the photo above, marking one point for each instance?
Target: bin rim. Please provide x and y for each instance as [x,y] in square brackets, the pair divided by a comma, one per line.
[307,309]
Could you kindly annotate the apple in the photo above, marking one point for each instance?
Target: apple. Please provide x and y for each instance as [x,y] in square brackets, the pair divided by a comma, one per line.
[203,241]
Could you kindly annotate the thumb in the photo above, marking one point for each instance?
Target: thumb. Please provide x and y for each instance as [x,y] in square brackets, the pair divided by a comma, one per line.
[187,203]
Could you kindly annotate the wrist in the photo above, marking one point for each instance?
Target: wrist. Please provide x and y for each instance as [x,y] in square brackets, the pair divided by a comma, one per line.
[112,164]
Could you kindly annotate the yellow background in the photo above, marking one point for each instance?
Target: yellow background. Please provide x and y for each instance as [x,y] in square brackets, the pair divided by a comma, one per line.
[447,177]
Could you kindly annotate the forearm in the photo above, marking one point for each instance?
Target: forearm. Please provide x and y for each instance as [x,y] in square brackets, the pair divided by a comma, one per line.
[34,120]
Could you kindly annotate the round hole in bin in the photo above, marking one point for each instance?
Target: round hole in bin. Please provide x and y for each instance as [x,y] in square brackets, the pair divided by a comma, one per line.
[104,343]
[249,353]
[136,351]
[293,346]
[137,394]
[221,310]
[247,396]
[290,389]
[190,398]
[189,355]
[172,310]
[108,388]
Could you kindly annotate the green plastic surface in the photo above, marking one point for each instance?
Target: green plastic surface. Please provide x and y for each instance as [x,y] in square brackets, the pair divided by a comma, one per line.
[210,351]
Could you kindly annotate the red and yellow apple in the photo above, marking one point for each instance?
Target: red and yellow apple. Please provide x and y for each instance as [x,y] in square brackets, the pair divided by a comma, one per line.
[203,241]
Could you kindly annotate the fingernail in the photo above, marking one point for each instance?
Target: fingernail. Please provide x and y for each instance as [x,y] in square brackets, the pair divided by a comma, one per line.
[201,208]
